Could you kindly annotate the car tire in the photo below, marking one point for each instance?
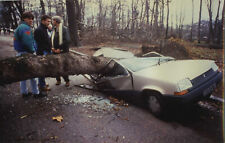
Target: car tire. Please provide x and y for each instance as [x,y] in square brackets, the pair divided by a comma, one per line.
[155,105]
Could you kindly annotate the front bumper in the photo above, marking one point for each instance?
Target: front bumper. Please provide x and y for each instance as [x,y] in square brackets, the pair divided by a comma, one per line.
[202,91]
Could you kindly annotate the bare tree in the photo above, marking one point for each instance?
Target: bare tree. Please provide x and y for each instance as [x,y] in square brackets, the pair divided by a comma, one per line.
[10,11]
[223,13]
[162,15]
[42,7]
[171,27]
[199,22]
[216,30]
[72,21]
[192,21]
[100,13]
[113,18]
[20,7]
[152,13]
[167,19]
[211,34]
[82,9]
[181,24]
[220,29]
[49,2]
[147,8]
[142,14]
[156,15]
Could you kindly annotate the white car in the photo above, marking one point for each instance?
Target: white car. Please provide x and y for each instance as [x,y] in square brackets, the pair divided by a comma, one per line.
[161,79]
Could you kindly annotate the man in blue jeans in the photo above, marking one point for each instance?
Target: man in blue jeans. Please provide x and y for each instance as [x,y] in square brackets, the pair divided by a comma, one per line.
[43,45]
[24,43]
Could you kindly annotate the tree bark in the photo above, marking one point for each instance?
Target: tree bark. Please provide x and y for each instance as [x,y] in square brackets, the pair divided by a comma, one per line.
[20,7]
[167,19]
[31,66]
[216,30]
[147,12]
[199,21]
[192,21]
[73,27]
[162,15]
[211,34]
[156,15]
[42,7]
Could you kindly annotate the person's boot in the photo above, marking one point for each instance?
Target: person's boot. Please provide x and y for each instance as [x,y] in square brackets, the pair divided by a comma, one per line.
[58,83]
[45,89]
[40,95]
[67,84]
[26,95]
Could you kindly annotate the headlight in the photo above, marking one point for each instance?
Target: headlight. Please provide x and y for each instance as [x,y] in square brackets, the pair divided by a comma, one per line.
[182,86]
[214,66]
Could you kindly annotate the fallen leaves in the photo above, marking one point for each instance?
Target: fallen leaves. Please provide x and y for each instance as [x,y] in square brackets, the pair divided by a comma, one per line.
[57,118]
[118,102]
[54,137]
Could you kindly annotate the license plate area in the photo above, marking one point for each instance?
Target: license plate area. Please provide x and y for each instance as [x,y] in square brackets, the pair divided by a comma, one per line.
[209,90]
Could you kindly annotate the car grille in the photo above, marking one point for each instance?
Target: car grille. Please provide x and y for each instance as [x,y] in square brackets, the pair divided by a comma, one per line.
[202,78]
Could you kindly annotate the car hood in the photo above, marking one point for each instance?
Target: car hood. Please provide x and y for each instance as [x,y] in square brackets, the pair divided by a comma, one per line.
[173,71]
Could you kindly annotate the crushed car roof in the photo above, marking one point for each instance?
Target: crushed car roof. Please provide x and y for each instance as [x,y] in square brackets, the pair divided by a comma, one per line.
[136,64]
[115,53]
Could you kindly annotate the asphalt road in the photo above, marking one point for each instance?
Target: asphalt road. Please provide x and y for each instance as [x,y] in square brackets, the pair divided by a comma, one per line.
[91,117]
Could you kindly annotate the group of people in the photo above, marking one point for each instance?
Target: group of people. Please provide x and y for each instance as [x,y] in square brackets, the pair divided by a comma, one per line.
[51,37]
[5,30]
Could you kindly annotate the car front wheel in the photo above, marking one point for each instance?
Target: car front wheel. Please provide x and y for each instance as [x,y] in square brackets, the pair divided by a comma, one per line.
[155,105]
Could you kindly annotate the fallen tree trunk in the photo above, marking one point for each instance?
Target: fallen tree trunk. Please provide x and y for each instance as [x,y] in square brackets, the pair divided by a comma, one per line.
[31,66]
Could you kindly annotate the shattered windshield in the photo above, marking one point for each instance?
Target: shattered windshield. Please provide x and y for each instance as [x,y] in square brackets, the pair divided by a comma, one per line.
[136,64]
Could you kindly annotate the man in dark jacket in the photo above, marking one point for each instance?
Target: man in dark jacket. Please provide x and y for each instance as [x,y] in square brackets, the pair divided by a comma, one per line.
[43,45]
[60,42]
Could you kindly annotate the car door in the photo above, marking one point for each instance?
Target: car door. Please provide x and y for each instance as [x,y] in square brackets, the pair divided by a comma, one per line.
[118,78]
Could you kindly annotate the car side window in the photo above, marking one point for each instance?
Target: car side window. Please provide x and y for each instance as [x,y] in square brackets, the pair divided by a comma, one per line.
[117,70]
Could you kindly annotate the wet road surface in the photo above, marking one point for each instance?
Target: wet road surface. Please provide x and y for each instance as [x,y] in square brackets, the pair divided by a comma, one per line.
[92,117]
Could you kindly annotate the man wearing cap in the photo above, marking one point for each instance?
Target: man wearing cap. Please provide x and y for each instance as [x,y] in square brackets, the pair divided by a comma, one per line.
[60,42]
[24,43]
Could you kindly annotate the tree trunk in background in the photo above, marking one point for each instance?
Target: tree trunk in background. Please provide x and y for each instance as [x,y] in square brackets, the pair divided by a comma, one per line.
[147,12]
[171,26]
[192,21]
[211,34]
[167,19]
[42,7]
[216,29]
[100,14]
[199,22]
[49,7]
[78,15]
[153,13]
[20,7]
[31,66]
[156,15]
[72,23]
[113,20]
[9,12]
[221,31]
[162,16]
[181,24]
[132,17]
[142,15]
